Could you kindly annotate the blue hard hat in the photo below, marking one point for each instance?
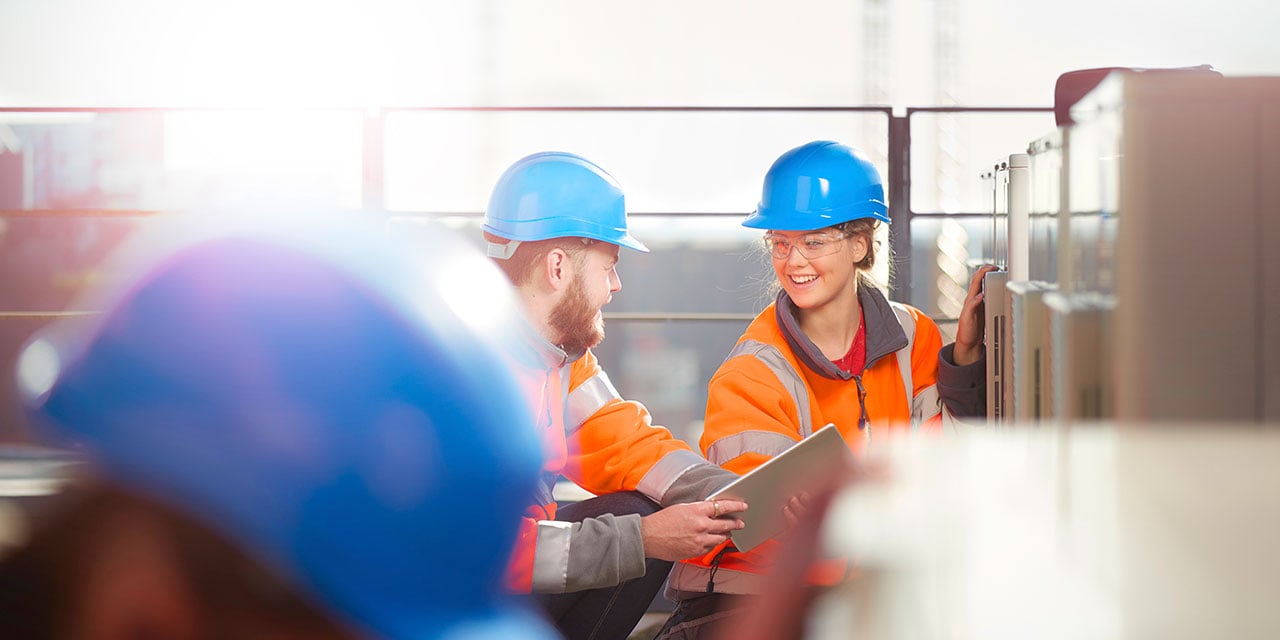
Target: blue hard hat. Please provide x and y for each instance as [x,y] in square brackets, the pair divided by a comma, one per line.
[817,185]
[344,413]
[556,195]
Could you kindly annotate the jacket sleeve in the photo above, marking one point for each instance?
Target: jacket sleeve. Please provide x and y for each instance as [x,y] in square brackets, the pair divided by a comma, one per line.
[750,417]
[614,446]
[926,405]
[559,557]
[944,393]
[963,388]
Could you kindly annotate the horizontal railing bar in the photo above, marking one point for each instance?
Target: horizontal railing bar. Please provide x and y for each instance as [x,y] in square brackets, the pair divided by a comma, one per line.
[542,108]
[489,108]
[628,316]
[89,213]
[630,214]
[447,214]
[50,315]
[959,109]
[618,316]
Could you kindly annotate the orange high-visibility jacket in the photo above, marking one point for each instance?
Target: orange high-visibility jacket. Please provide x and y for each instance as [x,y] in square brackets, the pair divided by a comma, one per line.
[776,387]
[605,444]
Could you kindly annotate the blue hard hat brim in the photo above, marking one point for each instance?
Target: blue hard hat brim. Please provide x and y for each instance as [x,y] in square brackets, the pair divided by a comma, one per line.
[763,218]
[550,228]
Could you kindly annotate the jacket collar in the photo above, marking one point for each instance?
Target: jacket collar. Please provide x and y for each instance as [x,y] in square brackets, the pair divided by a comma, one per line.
[884,333]
[541,353]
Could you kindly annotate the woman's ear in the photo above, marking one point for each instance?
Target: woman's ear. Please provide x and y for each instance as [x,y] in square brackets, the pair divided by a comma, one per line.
[860,248]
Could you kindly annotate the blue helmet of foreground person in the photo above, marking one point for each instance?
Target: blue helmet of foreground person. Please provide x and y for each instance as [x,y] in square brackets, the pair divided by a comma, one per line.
[343,414]
[554,194]
[817,185]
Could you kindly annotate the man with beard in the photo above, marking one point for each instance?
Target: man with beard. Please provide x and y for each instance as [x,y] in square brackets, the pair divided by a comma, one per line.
[555,224]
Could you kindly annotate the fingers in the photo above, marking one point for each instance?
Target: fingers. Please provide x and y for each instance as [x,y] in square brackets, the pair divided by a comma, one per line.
[686,530]
[801,499]
[975,283]
[976,294]
[692,529]
[723,506]
[792,515]
[714,536]
[720,513]
[969,329]
[794,510]
[722,526]
[976,291]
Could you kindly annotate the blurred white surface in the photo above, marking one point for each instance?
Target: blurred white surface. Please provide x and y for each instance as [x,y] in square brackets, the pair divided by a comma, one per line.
[1098,532]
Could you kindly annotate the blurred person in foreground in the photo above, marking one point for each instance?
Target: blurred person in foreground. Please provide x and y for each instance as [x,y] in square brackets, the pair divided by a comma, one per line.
[289,434]
[831,348]
[555,225]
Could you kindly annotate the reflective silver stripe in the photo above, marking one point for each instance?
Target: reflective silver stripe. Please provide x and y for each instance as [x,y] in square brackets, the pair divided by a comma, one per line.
[926,405]
[588,398]
[904,361]
[551,557]
[662,475]
[958,425]
[544,492]
[786,374]
[768,443]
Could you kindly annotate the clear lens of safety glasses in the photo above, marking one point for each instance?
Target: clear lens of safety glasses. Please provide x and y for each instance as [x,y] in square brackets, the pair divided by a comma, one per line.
[813,245]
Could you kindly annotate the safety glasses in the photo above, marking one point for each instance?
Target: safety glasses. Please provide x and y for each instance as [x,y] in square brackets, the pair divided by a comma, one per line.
[812,245]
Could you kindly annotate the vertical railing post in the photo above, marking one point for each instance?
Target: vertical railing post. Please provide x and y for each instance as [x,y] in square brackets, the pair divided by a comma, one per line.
[372,182]
[900,205]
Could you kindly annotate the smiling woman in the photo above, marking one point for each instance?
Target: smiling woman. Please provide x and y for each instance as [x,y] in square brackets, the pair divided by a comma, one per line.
[831,349]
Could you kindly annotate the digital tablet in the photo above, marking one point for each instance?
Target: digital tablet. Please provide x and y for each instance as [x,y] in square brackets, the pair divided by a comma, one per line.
[805,467]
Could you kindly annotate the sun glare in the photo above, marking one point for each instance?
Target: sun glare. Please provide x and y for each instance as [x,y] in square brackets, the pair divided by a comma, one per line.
[310,158]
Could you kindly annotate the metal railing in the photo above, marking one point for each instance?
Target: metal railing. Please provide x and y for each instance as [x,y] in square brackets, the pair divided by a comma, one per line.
[898,178]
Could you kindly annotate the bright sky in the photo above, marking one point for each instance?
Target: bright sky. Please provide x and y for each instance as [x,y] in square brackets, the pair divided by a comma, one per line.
[350,52]
[287,53]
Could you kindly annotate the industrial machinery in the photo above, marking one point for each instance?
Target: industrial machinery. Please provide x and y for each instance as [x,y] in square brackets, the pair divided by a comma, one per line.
[1133,301]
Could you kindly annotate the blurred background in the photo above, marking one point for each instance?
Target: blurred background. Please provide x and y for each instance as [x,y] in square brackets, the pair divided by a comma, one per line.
[114,115]
[118,111]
